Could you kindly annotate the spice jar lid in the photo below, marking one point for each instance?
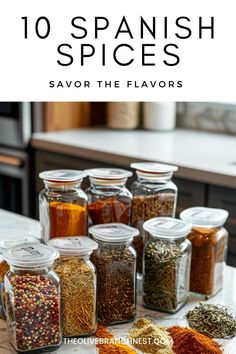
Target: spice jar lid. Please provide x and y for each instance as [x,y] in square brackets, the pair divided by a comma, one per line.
[108,173]
[166,227]
[62,175]
[202,216]
[5,244]
[113,232]
[73,246]
[30,255]
[154,167]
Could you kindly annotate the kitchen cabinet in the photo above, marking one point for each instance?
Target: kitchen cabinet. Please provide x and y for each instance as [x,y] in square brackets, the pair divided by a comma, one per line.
[226,198]
[190,193]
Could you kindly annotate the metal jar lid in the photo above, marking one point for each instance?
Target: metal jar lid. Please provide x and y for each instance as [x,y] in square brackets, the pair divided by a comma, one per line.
[113,232]
[62,175]
[108,173]
[73,246]
[207,217]
[30,255]
[165,227]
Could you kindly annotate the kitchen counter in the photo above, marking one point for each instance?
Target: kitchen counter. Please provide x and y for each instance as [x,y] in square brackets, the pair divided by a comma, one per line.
[201,156]
[13,225]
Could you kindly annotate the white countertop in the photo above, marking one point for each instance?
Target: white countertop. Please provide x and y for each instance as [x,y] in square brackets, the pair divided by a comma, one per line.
[205,157]
[12,225]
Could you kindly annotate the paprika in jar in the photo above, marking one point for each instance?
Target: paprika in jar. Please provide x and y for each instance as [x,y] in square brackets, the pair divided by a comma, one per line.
[62,204]
[108,198]
[32,299]
[209,244]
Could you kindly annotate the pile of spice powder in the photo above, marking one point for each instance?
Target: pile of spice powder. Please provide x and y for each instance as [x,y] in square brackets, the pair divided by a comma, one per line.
[189,341]
[216,321]
[35,310]
[111,347]
[78,292]
[151,338]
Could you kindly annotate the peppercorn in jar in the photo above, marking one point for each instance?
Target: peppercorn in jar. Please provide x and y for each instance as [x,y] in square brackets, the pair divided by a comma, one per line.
[32,299]
[209,244]
[62,204]
[78,284]
[4,267]
[108,198]
[115,261]
[167,257]
[154,195]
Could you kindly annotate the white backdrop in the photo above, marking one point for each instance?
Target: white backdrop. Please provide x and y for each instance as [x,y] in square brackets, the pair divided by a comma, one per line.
[206,68]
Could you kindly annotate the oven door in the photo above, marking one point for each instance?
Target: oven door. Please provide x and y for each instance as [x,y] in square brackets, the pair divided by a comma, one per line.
[14,182]
[15,124]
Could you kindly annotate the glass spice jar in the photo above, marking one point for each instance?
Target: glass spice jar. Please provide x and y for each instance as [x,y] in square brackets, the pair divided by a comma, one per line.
[108,198]
[4,267]
[32,299]
[154,195]
[62,204]
[115,261]
[209,245]
[78,284]
[167,257]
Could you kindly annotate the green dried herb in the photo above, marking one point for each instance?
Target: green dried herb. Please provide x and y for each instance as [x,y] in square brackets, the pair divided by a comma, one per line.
[216,321]
[164,281]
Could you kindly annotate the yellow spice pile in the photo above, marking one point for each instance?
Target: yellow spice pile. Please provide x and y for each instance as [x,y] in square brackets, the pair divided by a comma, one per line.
[151,338]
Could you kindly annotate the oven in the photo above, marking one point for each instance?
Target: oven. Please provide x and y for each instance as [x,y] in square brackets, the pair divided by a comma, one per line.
[15,133]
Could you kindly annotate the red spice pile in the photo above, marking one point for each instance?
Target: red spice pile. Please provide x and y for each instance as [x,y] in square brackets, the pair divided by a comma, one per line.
[189,341]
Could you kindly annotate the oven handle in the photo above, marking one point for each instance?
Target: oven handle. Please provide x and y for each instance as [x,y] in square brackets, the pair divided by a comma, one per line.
[11,160]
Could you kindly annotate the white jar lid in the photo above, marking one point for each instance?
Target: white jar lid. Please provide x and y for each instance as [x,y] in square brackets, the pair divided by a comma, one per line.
[166,227]
[78,245]
[108,173]
[153,167]
[113,232]
[202,216]
[30,255]
[5,244]
[62,175]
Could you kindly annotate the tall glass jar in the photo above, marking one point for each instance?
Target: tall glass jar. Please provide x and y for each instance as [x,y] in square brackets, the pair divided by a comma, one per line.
[4,267]
[78,284]
[32,299]
[167,258]
[209,245]
[115,261]
[62,204]
[154,195]
[108,198]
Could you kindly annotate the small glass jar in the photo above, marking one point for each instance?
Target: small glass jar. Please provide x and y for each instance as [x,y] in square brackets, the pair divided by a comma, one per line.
[166,261]
[115,261]
[108,198]
[78,284]
[32,299]
[4,267]
[62,204]
[154,195]
[209,245]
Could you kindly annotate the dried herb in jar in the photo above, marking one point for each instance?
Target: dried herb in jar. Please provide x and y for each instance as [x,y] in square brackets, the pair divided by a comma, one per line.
[35,311]
[67,219]
[116,279]
[146,207]
[164,275]
[208,252]
[78,292]
[216,321]
[109,210]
